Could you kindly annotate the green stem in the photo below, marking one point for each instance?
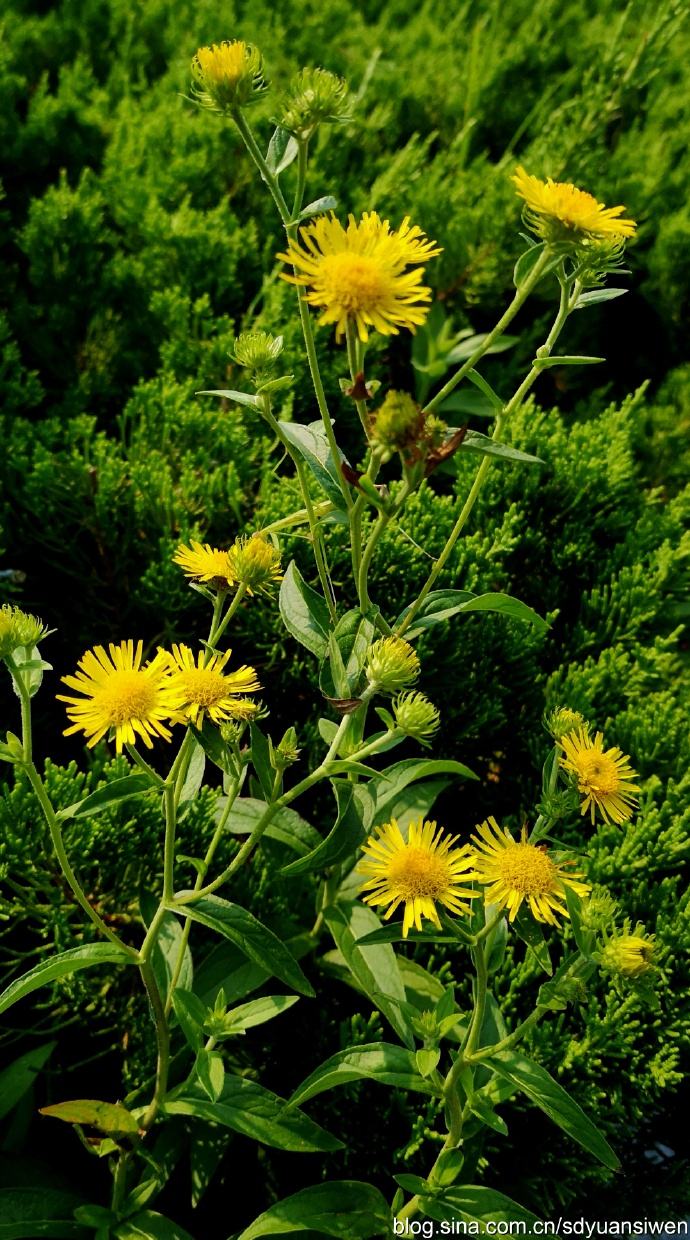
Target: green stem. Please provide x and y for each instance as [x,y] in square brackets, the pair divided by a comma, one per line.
[354,362]
[162,1043]
[266,176]
[509,1041]
[477,1021]
[301,178]
[383,520]
[217,632]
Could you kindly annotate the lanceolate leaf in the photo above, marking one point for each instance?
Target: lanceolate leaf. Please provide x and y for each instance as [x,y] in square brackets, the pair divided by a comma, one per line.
[344,1209]
[375,969]
[286,826]
[20,1075]
[474,441]
[102,798]
[304,612]
[347,834]
[311,444]
[341,670]
[550,1097]
[472,1203]
[282,151]
[109,1117]
[255,940]
[247,1107]
[55,967]
[238,398]
[400,775]
[376,1061]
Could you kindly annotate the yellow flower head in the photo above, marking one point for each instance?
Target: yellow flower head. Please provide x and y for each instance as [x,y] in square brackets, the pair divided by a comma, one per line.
[255,563]
[227,75]
[205,563]
[359,274]
[514,871]
[419,872]
[392,664]
[629,955]
[203,687]
[120,695]
[604,776]
[559,211]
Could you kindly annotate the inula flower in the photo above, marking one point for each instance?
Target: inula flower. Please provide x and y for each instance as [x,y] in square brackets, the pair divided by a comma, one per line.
[416,715]
[629,955]
[202,686]
[258,352]
[316,97]
[420,872]
[17,629]
[360,275]
[120,695]
[227,75]
[392,664]
[255,563]
[515,871]
[604,776]
[205,563]
[558,211]
[561,721]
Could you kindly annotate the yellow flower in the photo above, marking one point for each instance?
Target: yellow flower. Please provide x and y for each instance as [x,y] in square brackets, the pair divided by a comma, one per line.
[227,75]
[392,664]
[358,274]
[255,563]
[629,955]
[604,776]
[120,694]
[419,872]
[559,211]
[516,871]
[203,687]
[205,563]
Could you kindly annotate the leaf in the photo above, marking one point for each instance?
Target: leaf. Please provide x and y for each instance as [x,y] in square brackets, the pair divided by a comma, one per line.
[394,934]
[210,1070]
[327,203]
[34,1211]
[304,612]
[191,1015]
[206,1149]
[282,151]
[473,1203]
[374,968]
[532,934]
[396,778]
[150,1225]
[258,1011]
[465,401]
[506,605]
[598,295]
[474,441]
[286,826]
[341,671]
[20,1075]
[311,444]
[256,941]
[261,760]
[344,1208]
[248,1108]
[465,348]
[103,798]
[109,1117]
[526,262]
[342,840]
[485,387]
[60,966]
[550,1097]
[382,1062]
[239,398]
[546,362]
[427,1060]
[439,605]
[167,946]
[585,939]
[193,778]
[211,741]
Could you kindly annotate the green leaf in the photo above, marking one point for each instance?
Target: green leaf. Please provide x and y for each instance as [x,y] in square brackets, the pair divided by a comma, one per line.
[311,444]
[400,775]
[304,612]
[546,362]
[585,939]
[54,967]
[286,826]
[210,1070]
[103,798]
[20,1075]
[191,1014]
[393,934]
[239,398]
[427,1060]
[258,1011]
[376,1061]
[31,1212]
[375,969]
[506,605]
[485,387]
[465,401]
[193,778]
[150,1225]
[167,946]
[206,1149]
[474,441]
[327,203]
[345,837]
[598,295]
[484,1111]
[248,1108]
[211,741]
[469,345]
[526,262]
[341,670]
[256,941]
[109,1117]
[261,760]
[531,933]
[473,1203]
[439,605]
[282,151]
[550,1097]
[344,1208]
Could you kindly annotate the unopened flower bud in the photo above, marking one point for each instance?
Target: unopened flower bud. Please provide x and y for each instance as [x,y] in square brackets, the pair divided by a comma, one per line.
[629,955]
[416,715]
[561,721]
[258,352]
[287,751]
[398,425]
[392,664]
[17,629]
[227,75]
[316,97]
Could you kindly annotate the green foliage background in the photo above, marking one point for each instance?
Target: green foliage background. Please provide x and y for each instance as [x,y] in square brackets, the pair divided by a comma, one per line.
[134,242]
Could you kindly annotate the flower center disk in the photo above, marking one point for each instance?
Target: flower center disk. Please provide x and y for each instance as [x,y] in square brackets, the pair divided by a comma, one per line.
[127,695]
[354,280]
[527,869]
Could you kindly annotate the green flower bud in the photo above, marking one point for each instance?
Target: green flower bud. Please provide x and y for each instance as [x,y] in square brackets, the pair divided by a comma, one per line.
[255,563]
[227,75]
[398,426]
[392,664]
[562,720]
[629,955]
[17,629]
[316,97]
[416,715]
[286,752]
[258,352]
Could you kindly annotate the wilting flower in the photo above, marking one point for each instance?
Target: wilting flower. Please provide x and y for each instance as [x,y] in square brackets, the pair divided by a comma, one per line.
[558,211]
[419,872]
[17,629]
[392,664]
[630,954]
[562,721]
[227,75]
[416,716]
[514,871]
[604,776]
[120,695]
[255,563]
[398,425]
[205,563]
[316,97]
[359,274]
[204,687]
